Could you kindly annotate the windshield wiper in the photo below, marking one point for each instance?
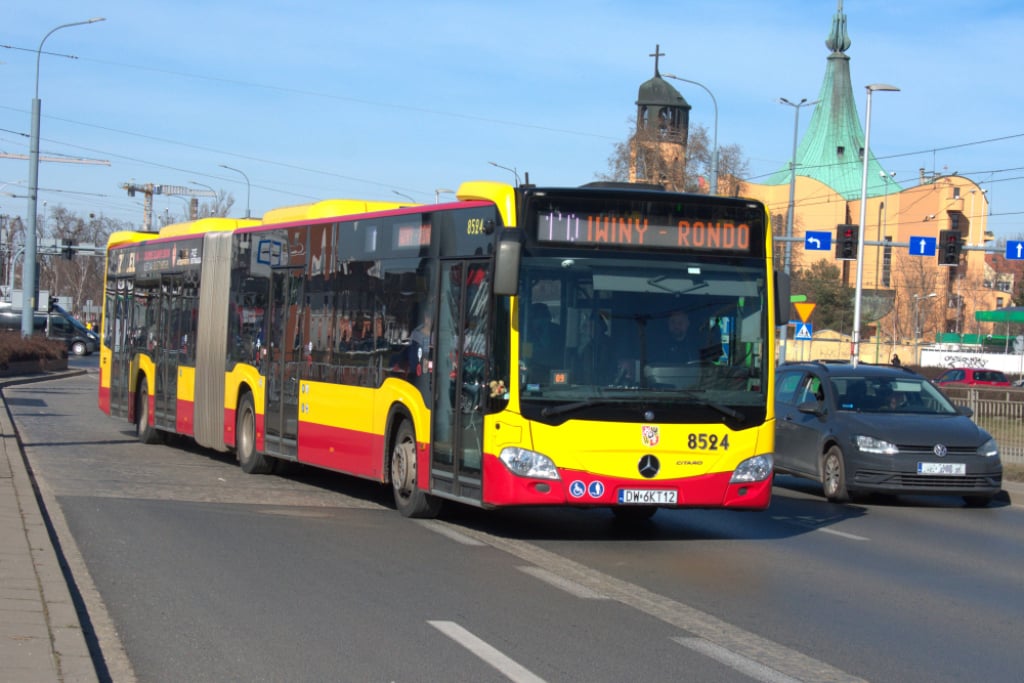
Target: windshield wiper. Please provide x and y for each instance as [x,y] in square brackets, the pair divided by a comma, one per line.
[553,411]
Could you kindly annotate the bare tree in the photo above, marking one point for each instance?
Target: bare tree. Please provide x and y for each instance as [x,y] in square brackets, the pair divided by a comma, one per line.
[81,276]
[663,163]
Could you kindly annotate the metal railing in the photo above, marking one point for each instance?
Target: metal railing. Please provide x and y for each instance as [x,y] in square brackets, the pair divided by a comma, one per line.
[1000,413]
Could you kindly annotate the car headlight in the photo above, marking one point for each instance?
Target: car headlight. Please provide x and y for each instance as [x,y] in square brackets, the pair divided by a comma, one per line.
[989,449]
[869,444]
[753,469]
[526,463]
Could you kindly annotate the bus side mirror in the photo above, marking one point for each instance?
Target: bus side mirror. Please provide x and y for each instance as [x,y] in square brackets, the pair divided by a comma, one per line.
[506,263]
[782,289]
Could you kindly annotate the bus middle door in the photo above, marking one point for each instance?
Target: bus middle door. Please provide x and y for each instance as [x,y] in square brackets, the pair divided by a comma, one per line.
[284,365]
[166,352]
[456,460]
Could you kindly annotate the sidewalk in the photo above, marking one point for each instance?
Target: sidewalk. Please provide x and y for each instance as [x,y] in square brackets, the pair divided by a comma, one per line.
[41,637]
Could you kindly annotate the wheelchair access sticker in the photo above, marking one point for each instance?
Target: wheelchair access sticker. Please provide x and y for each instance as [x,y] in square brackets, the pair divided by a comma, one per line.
[578,489]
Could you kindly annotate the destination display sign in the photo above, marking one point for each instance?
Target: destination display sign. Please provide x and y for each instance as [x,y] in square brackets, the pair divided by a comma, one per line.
[641,231]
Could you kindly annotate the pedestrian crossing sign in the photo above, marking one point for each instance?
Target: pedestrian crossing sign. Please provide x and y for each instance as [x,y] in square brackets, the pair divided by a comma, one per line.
[803,332]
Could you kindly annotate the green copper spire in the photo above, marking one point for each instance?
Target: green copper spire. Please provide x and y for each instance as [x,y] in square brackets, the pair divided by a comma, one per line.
[830,150]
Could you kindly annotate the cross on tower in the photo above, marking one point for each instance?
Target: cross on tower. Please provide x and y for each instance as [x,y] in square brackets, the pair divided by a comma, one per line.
[657,53]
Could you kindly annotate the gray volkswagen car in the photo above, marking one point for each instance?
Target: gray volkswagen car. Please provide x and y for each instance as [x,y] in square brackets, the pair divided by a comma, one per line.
[879,429]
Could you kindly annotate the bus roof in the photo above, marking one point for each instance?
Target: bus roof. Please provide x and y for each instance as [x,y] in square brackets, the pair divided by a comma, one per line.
[204,225]
[328,208]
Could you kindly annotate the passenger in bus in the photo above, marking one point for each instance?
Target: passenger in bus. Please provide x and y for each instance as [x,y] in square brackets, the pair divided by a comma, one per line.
[543,348]
[594,358]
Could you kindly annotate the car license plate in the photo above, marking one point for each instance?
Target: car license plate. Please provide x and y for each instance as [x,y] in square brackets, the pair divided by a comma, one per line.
[648,496]
[946,468]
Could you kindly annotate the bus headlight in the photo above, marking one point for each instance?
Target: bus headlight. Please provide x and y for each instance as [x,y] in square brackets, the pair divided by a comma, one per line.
[527,463]
[753,469]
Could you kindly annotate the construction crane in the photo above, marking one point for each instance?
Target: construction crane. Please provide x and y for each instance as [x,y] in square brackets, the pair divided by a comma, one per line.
[149,189]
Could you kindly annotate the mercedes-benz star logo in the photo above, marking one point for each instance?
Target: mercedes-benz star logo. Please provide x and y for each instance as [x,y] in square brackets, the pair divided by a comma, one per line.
[648,466]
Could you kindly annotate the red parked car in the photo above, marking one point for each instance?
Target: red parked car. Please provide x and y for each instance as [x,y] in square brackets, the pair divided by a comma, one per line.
[972,377]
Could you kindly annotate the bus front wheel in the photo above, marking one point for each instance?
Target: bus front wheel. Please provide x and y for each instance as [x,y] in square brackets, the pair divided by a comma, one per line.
[249,459]
[409,499]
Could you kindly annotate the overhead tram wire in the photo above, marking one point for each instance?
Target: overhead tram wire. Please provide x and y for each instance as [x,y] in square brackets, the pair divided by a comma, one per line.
[343,98]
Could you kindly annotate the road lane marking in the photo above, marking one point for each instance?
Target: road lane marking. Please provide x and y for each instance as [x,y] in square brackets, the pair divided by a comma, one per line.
[815,525]
[506,665]
[448,532]
[747,667]
[852,537]
[562,583]
[708,627]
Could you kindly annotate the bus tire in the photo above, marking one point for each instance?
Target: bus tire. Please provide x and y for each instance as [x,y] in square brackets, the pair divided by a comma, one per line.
[833,476]
[409,499]
[249,459]
[145,432]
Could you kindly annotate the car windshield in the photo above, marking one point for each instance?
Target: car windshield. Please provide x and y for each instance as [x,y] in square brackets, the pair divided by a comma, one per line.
[890,394]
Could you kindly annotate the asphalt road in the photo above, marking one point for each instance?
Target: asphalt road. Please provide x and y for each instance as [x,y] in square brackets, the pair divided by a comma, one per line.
[196,571]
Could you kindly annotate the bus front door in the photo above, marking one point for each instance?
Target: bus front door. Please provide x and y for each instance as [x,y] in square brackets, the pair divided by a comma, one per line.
[456,460]
[118,336]
[284,366]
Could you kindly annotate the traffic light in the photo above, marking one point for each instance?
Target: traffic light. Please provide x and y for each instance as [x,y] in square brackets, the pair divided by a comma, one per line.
[950,245]
[69,250]
[846,242]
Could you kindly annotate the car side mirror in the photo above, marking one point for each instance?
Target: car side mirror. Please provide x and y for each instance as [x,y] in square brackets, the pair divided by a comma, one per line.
[966,411]
[812,408]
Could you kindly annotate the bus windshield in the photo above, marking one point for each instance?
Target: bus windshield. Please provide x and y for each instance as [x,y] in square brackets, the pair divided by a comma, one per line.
[664,327]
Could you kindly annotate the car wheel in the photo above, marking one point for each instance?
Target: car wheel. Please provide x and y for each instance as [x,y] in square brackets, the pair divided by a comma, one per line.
[78,348]
[410,500]
[833,476]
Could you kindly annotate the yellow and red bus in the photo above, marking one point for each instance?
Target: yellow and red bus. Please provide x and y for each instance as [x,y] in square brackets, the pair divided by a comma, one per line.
[506,349]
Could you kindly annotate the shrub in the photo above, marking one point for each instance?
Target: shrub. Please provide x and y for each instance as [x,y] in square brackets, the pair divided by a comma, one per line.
[15,348]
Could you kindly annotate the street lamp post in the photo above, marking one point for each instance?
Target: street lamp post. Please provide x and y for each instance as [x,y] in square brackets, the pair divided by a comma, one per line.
[404,196]
[207,187]
[858,291]
[792,175]
[714,146]
[514,171]
[28,268]
[439,191]
[248,187]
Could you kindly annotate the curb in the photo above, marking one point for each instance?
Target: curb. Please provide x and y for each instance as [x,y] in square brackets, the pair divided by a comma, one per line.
[85,644]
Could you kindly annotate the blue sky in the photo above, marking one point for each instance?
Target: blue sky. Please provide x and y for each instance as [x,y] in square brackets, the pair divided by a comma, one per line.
[354,99]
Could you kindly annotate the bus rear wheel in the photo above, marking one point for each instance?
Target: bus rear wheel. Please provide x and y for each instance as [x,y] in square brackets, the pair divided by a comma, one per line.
[409,499]
[249,459]
[145,432]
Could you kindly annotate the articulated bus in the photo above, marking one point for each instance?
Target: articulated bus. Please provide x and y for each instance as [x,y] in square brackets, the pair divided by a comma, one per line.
[505,349]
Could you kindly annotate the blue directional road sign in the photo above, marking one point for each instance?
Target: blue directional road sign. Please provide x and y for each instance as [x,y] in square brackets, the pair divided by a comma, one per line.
[817,241]
[922,246]
[803,332]
[1014,250]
